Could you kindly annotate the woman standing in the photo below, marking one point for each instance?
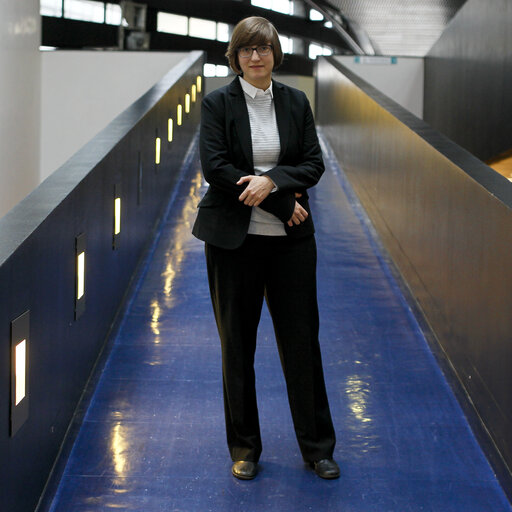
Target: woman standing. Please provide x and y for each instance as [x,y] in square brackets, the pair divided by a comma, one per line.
[260,153]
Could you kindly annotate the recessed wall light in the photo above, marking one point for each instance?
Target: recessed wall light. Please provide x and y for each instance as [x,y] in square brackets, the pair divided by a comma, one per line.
[179,114]
[158,144]
[80,275]
[169,129]
[140,174]
[20,364]
[116,233]
[20,332]
[117,216]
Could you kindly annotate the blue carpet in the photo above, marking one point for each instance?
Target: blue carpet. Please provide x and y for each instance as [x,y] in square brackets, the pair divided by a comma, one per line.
[153,436]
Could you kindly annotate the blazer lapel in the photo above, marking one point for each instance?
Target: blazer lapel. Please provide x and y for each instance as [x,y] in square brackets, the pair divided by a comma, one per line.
[241,119]
[282,106]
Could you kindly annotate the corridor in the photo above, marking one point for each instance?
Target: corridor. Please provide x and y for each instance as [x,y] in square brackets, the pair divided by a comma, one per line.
[152,438]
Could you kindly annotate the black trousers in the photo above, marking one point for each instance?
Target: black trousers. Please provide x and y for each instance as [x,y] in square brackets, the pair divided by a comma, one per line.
[283,270]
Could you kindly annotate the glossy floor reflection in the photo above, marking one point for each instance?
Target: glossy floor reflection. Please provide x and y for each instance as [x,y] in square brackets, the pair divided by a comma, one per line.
[153,436]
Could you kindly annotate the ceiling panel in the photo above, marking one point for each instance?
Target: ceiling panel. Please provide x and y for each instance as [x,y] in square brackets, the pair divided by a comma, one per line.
[401,27]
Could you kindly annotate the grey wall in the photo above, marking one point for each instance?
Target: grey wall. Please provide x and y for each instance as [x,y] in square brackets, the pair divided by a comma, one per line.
[468,79]
[401,78]
[20,87]
[82,91]
[446,220]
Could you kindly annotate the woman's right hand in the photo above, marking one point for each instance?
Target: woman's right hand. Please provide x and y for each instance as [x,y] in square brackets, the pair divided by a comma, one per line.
[299,215]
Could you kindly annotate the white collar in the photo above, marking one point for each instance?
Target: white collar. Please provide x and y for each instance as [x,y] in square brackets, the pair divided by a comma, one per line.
[252,91]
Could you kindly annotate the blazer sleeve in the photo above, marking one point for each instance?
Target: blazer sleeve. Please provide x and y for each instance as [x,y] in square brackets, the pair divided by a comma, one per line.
[310,167]
[218,170]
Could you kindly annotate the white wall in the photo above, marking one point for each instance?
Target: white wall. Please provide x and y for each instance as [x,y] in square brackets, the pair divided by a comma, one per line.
[20,35]
[82,91]
[401,81]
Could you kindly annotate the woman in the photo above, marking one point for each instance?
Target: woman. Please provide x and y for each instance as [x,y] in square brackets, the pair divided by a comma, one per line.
[260,153]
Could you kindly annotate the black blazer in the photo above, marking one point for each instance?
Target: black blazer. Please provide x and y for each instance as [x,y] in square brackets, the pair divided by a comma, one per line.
[226,155]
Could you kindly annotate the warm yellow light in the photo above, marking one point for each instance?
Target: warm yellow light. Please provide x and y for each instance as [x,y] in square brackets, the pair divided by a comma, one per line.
[157,150]
[21,370]
[120,448]
[199,82]
[169,130]
[187,103]
[193,92]
[117,216]
[80,288]
[179,115]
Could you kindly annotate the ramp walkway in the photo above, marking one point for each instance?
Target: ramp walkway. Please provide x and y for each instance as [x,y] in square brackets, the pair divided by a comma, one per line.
[152,438]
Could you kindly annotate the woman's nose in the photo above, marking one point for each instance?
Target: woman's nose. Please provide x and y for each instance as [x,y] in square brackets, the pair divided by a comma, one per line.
[255,55]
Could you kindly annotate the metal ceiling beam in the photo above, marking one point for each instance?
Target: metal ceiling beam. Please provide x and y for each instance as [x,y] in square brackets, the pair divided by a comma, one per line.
[351,43]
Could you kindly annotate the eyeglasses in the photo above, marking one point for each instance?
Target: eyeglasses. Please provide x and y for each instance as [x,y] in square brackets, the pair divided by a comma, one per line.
[263,50]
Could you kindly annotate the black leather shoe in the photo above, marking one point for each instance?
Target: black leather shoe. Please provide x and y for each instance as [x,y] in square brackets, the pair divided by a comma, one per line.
[326,468]
[244,469]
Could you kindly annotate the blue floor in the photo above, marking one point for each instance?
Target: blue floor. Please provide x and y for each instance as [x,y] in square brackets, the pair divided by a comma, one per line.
[153,436]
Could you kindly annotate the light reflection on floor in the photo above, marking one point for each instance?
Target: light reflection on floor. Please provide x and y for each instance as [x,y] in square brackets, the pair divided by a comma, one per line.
[153,437]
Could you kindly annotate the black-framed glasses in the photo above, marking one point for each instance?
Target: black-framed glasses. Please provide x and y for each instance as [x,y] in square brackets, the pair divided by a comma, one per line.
[263,50]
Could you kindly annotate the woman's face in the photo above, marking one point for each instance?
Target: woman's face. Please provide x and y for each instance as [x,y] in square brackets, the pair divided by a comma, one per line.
[257,69]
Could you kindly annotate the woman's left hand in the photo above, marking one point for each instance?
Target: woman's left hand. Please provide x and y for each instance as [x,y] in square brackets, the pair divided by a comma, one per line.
[299,215]
[258,188]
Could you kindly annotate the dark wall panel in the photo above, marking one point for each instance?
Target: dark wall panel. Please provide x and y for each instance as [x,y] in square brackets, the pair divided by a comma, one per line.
[446,220]
[468,79]
[37,269]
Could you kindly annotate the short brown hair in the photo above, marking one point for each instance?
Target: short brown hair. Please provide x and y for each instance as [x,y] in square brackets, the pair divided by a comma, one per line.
[253,31]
